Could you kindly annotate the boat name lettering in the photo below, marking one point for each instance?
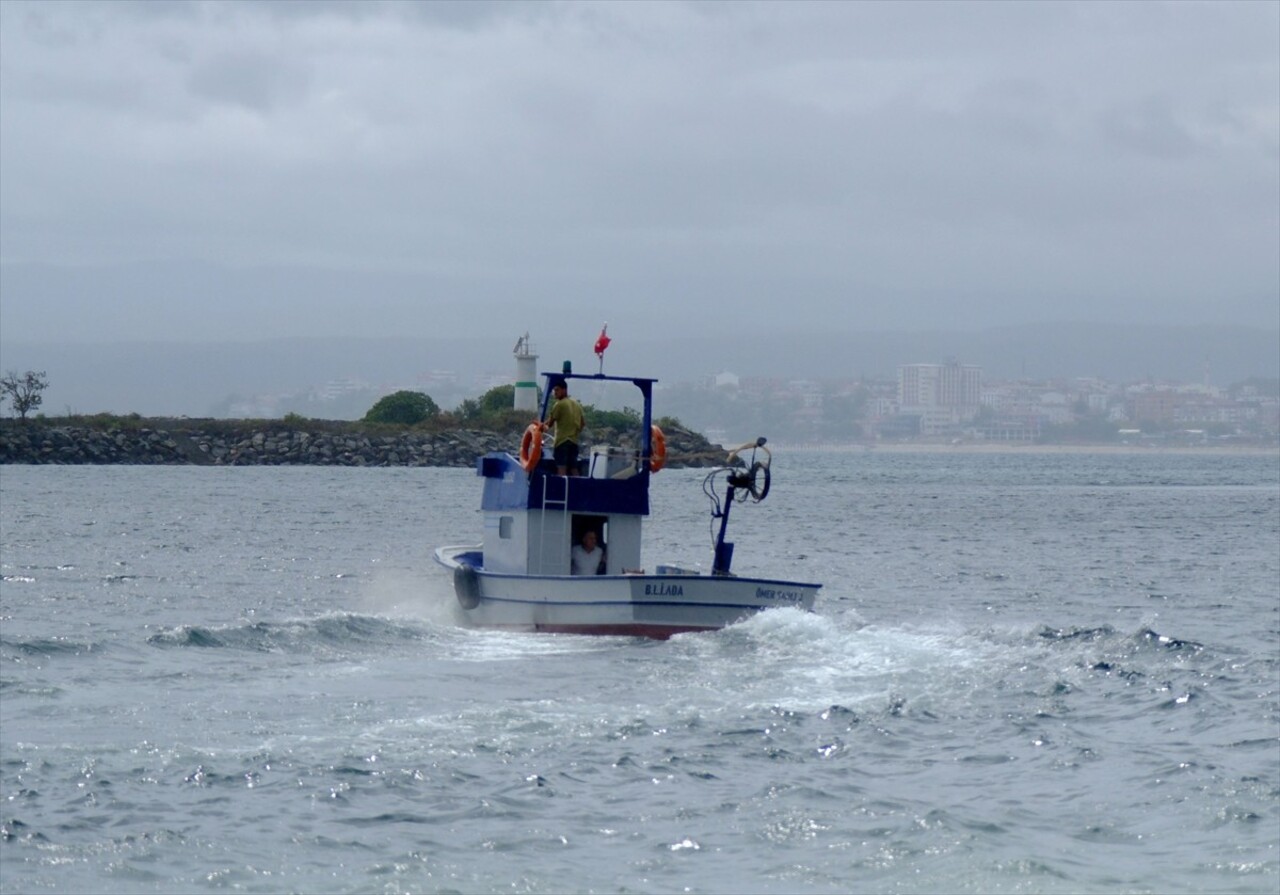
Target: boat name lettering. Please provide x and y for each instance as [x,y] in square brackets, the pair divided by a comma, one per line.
[769,593]
[664,590]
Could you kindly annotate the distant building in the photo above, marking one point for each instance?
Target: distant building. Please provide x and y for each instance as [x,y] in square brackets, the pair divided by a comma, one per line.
[943,396]
[940,385]
[1156,406]
[335,389]
[805,392]
[439,379]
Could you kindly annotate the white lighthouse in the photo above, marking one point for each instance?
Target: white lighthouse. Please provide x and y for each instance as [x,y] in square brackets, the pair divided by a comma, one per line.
[526,397]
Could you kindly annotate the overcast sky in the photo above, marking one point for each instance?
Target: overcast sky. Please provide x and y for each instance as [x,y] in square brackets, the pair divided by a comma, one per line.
[204,171]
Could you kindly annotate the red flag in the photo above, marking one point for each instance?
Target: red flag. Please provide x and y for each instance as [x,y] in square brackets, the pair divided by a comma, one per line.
[603,342]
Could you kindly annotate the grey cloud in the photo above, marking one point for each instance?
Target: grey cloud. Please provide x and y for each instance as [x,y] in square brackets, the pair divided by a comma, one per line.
[978,162]
[253,80]
[1150,128]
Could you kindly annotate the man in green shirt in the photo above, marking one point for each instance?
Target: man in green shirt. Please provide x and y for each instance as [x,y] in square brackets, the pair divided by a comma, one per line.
[566,414]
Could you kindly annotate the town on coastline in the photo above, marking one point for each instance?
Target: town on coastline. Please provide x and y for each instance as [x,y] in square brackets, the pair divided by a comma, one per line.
[926,404]
[951,403]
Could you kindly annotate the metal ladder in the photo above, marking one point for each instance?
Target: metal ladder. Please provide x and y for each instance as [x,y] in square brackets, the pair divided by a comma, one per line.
[563,506]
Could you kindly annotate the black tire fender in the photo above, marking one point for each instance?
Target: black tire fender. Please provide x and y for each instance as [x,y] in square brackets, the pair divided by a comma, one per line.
[466,584]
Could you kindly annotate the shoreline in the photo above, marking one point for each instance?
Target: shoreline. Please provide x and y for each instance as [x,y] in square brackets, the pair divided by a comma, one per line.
[973,448]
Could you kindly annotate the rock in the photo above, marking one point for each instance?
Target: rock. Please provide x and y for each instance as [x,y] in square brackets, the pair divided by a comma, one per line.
[232,444]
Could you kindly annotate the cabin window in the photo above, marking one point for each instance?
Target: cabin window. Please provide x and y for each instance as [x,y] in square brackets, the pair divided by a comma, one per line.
[504,526]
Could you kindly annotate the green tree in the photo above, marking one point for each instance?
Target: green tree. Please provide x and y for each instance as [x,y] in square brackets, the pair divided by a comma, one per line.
[468,411]
[498,399]
[624,420]
[406,408]
[496,407]
[24,391]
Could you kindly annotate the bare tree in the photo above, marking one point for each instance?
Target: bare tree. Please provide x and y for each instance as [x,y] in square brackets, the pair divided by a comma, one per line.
[24,391]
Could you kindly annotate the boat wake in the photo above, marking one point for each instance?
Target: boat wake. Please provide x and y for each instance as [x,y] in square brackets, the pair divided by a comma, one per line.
[334,635]
[404,595]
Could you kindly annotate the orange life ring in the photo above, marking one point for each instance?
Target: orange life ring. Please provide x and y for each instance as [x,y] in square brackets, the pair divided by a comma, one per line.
[658,451]
[531,447]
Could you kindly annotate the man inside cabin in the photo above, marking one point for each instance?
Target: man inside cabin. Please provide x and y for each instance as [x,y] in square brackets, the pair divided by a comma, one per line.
[587,558]
[567,417]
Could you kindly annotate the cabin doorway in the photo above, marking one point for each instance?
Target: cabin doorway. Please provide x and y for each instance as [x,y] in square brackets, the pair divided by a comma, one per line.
[584,522]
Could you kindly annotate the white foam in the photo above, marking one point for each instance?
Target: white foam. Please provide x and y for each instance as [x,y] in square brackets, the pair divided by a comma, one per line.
[424,597]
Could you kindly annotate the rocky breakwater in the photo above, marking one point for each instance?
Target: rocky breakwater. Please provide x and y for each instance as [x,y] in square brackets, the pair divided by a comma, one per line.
[270,443]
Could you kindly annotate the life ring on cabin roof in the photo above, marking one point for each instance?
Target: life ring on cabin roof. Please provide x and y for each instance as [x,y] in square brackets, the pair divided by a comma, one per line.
[658,449]
[531,447]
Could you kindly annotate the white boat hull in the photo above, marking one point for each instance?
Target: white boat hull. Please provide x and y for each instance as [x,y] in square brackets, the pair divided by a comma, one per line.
[633,604]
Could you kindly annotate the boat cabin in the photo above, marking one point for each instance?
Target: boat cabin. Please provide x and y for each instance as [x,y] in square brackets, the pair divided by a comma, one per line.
[533,516]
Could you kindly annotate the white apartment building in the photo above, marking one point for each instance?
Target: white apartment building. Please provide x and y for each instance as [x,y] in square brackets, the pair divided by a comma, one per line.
[942,395]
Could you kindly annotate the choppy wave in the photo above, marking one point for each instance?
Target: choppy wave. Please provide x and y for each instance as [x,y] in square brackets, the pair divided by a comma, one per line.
[336,633]
[1047,686]
[48,647]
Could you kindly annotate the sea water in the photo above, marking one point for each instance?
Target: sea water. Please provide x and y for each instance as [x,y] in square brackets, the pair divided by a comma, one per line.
[1026,672]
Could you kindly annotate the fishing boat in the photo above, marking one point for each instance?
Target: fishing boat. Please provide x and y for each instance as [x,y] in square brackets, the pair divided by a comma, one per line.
[521,576]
